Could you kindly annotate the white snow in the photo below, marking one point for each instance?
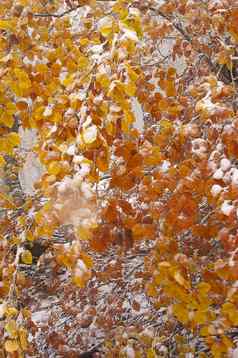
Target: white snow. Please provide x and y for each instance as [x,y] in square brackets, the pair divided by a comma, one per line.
[71,149]
[48,111]
[218,174]
[2,309]
[130,352]
[165,166]
[235,177]
[225,164]
[235,353]
[227,208]
[215,190]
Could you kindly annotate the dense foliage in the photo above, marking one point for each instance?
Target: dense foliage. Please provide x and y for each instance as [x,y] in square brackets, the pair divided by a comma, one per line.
[150,214]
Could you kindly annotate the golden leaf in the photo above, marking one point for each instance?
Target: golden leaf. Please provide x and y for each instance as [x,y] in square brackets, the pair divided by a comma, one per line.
[200,317]
[79,281]
[170,88]
[103,79]
[87,260]
[83,233]
[82,62]
[7,120]
[14,139]
[11,312]
[68,80]
[23,338]
[30,236]
[11,328]
[131,73]
[24,82]
[203,288]
[11,345]
[151,290]
[151,353]
[26,257]
[7,25]
[180,279]
[105,26]
[180,312]
[127,121]
[130,89]
[2,161]
[54,168]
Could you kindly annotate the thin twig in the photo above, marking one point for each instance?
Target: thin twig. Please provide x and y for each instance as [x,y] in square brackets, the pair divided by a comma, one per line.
[66,12]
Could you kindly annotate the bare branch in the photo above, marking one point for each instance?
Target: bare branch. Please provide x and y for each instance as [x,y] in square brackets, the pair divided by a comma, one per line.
[66,12]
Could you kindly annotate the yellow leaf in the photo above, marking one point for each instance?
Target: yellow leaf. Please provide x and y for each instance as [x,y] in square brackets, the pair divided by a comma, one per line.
[11,311]
[90,134]
[130,89]
[39,218]
[181,313]
[11,328]
[24,2]
[84,233]
[218,349]
[227,342]
[103,79]
[180,279]
[41,68]
[7,25]
[87,260]
[84,41]
[68,80]
[79,281]
[200,317]
[11,108]
[82,278]
[2,161]
[165,125]
[82,62]
[131,73]
[151,353]
[8,120]
[105,26]
[151,290]
[14,139]
[23,338]
[170,88]
[203,288]
[26,257]
[11,345]
[24,82]
[127,121]
[54,168]
[204,331]
[30,236]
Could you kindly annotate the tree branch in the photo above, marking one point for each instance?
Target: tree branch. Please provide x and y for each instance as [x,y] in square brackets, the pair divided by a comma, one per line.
[176,26]
[66,12]
[184,34]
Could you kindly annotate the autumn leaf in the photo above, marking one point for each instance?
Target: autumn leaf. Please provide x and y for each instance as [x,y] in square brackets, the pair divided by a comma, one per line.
[181,313]
[11,328]
[2,161]
[11,345]
[23,338]
[8,25]
[26,257]
[13,139]
[105,26]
